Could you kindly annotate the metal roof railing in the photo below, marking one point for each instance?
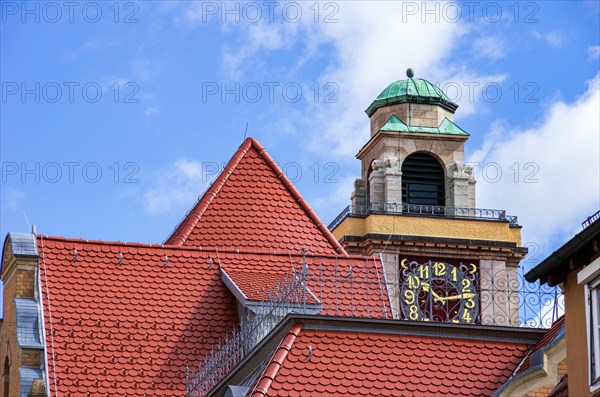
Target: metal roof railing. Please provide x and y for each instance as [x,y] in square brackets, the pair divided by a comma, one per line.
[422,210]
[590,219]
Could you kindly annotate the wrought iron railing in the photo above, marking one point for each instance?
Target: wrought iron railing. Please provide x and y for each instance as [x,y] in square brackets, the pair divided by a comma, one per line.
[420,291]
[590,219]
[429,210]
[291,295]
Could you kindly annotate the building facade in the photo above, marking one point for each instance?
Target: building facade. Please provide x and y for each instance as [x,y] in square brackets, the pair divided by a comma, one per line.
[413,292]
[575,266]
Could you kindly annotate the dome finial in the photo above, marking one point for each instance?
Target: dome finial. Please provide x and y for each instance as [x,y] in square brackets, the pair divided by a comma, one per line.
[410,73]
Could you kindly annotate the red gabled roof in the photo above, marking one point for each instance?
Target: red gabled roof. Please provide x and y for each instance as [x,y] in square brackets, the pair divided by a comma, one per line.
[253,206]
[128,329]
[321,362]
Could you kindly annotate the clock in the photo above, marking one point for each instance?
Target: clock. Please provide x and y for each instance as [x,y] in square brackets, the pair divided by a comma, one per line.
[439,291]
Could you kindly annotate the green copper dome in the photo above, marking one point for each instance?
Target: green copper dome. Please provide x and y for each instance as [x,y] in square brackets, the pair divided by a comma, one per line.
[411,91]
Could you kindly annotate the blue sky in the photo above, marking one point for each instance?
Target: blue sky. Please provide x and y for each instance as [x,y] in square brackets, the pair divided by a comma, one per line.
[115,116]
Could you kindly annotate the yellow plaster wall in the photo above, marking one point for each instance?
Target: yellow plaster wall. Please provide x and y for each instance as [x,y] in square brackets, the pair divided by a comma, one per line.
[430,227]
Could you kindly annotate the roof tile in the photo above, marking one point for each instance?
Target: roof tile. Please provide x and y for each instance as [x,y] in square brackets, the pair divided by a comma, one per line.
[147,329]
[392,370]
[253,205]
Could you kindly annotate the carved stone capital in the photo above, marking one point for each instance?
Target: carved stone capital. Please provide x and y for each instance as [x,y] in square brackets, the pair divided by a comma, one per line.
[460,170]
[387,162]
[377,164]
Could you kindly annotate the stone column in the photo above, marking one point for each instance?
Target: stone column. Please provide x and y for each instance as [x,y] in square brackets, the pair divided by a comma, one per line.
[392,181]
[457,185]
[376,185]
[471,190]
[359,195]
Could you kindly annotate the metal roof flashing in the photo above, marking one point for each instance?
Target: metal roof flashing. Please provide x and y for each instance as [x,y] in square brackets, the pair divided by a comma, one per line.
[446,127]
[28,375]
[536,364]
[23,244]
[28,323]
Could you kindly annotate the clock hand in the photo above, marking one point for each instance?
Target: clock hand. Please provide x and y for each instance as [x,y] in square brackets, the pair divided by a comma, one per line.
[463,296]
[428,288]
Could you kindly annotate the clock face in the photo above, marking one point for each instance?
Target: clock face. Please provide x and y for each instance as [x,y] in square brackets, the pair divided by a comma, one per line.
[439,291]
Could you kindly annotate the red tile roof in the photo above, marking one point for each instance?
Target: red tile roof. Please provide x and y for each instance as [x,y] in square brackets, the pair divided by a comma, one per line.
[253,206]
[319,362]
[547,339]
[351,286]
[128,329]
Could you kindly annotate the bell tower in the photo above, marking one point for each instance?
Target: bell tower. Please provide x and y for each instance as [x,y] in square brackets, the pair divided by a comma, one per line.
[415,203]
[416,152]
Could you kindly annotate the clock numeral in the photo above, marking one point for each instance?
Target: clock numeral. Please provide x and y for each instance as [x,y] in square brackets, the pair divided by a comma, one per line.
[409,297]
[413,313]
[466,284]
[470,303]
[413,282]
[424,271]
[439,269]
[467,316]
[453,273]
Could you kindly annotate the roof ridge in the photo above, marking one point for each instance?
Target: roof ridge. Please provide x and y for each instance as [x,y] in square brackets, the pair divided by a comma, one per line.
[303,203]
[188,248]
[276,361]
[183,230]
[188,224]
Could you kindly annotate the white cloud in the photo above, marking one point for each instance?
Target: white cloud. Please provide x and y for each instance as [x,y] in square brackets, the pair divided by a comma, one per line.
[151,111]
[594,53]
[557,184]
[145,69]
[178,185]
[491,47]
[371,45]
[555,39]
[386,47]
[258,37]
[337,196]
[468,89]
[98,43]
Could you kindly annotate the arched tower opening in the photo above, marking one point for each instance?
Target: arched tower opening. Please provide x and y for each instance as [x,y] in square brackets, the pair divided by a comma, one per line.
[423,180]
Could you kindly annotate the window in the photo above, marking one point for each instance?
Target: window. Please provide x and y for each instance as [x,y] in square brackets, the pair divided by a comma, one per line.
[589,277]
[422,180]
